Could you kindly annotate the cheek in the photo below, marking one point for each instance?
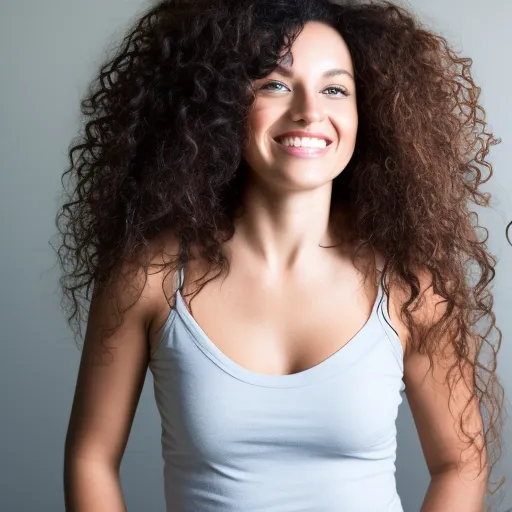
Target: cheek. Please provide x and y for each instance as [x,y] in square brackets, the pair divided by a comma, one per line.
[349,123]
[258,121]
[354,117]
[257,126]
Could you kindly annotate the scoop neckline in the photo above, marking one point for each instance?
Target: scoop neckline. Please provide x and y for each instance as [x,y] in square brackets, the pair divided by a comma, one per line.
[347,355]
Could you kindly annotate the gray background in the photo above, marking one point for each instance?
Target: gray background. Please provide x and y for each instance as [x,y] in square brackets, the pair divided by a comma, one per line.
[49,51]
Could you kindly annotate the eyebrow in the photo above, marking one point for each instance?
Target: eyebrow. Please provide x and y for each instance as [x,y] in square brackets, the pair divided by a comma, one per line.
[285,71]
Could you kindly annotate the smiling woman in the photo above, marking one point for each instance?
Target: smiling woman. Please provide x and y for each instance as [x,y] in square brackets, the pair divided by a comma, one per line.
[314,87]
[301,171]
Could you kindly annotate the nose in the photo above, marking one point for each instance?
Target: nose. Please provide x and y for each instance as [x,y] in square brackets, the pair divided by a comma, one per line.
[307,107]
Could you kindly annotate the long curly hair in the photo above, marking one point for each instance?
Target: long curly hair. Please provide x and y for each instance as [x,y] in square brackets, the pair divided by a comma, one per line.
[162,153]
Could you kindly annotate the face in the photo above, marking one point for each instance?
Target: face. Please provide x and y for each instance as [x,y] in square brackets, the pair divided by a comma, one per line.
[314,94]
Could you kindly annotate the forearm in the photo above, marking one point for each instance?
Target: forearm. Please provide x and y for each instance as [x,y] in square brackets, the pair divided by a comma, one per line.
[91,486]
[452,492]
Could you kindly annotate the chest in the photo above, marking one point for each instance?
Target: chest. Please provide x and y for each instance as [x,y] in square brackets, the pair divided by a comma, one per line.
[268,328]
[215,410]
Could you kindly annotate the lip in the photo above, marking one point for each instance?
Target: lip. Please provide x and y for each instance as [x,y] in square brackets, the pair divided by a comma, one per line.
[301,133]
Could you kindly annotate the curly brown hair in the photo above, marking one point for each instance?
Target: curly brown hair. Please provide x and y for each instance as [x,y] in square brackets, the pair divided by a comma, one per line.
[181,80]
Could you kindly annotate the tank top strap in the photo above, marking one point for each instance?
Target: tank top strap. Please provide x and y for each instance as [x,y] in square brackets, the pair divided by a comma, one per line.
[180,277]
[388,325]
[384,302]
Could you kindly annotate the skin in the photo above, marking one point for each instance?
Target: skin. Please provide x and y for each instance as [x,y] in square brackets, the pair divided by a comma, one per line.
[287,199]
[275,251]
[290,320]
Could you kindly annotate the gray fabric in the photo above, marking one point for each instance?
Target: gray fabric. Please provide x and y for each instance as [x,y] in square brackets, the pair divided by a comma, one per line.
[321,440]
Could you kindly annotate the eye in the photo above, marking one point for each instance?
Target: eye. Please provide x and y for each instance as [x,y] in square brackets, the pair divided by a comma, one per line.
[269,86]
[265,86]
[344,92]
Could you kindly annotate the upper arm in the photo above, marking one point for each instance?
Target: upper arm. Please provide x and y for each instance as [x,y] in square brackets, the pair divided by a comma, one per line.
[436,415]
[110,376]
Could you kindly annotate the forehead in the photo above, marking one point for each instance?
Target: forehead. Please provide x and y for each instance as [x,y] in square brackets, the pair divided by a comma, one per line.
[316,46]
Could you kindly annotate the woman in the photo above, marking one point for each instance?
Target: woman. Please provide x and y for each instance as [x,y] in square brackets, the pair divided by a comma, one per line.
[318,157]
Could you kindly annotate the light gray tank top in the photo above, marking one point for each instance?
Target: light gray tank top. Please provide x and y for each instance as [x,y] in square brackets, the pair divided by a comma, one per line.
[321,440]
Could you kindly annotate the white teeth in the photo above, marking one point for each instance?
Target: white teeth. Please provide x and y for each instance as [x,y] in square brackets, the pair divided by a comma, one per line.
[304,142]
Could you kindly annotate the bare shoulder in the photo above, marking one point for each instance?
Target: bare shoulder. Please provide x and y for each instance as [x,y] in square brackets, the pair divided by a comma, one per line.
[161,283]
[429,307]
[428,310]
[396,298]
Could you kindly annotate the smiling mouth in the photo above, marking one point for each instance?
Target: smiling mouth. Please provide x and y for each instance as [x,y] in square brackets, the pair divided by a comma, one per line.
[279,140]
[302,151]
